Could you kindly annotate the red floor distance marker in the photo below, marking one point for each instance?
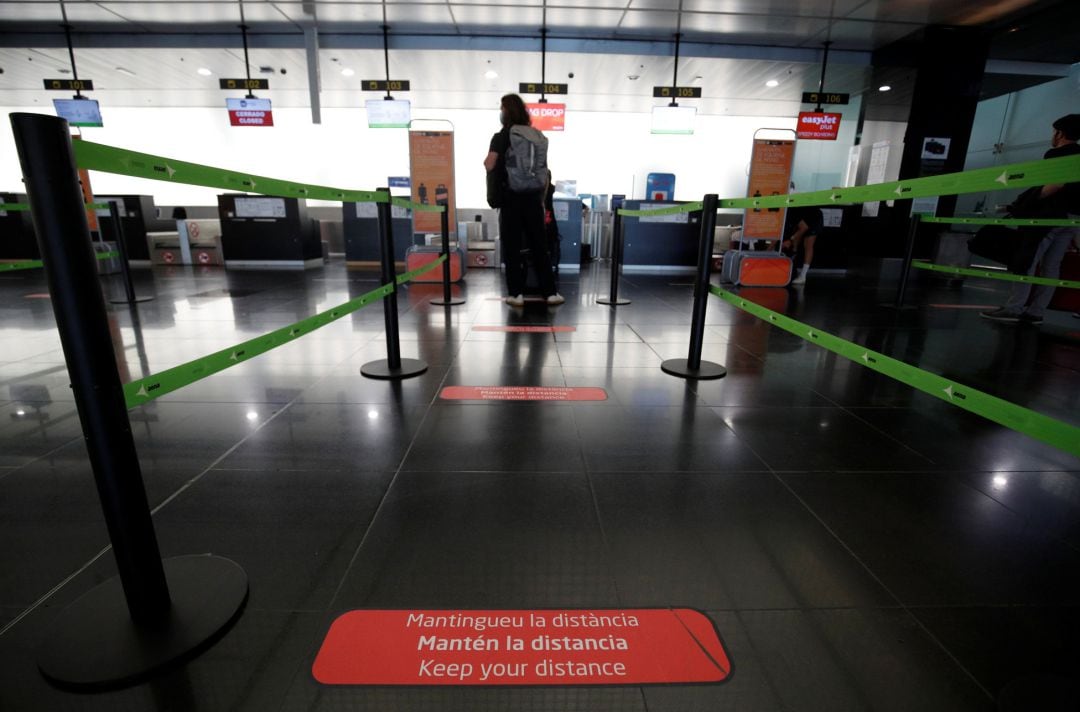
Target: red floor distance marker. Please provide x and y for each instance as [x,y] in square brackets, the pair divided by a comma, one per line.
[516,647]
[522,393]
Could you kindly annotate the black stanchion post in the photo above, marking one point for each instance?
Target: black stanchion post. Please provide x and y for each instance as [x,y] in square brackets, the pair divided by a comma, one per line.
[447,300]
[393,366]
[692,366]
[616,263]
[913,229]
[125,268]
[173,608]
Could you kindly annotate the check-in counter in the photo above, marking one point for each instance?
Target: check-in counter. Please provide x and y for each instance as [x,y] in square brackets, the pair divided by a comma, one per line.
[361,222]
[17,240]
[194,242]
[260,232]
[568,216]
[666,241]
[134,211]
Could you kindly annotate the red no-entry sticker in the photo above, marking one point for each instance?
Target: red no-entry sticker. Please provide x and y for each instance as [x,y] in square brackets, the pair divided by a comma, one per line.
[512,647]
[523,393]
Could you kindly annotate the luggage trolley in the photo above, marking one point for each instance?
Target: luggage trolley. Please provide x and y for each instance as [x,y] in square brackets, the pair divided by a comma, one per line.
[769,174]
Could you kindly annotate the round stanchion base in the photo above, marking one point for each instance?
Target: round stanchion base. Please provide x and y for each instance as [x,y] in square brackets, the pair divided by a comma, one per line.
[451,303]
[94,645]
[381,369]
[616,303]
[705,371]
[138,300]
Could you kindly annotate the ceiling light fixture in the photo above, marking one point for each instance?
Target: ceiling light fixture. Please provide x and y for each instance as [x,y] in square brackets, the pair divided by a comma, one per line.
[772,83]
[491,74]
[204,71]
[884,87]
[125,70]
[347,72]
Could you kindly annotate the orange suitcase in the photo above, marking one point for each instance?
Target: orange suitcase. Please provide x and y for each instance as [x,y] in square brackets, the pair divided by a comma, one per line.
[762,269]
[416,257]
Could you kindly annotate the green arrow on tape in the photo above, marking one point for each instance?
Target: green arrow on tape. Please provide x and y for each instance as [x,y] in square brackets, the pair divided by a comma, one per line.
[1012,222]
[1054,432]
[1017,175]
[995,274]
[33,264]
[403,278]
[98,157]
[657,212]
[417,207]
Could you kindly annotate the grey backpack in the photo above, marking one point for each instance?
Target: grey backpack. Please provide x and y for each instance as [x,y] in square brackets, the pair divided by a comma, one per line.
[526,160]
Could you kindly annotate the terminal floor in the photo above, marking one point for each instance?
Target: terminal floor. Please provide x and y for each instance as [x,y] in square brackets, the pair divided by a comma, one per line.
[859,545]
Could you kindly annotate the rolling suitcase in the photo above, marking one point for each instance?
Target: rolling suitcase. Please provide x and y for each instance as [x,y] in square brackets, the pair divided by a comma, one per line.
[751,268]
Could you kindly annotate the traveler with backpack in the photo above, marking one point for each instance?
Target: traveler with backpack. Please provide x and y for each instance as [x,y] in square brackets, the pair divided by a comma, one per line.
[517,178]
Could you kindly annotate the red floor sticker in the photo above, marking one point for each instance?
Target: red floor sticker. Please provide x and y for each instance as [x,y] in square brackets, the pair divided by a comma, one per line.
[542,647]
[527,329]
[522,393]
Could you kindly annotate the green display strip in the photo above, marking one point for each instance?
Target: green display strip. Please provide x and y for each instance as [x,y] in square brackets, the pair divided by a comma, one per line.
[25,207]
[1054,432]
[1012,222]
[995,274]
[403,278]
[34,264]
[417,207]
[673,210]
[147,389]
[1018,175]
[98,157]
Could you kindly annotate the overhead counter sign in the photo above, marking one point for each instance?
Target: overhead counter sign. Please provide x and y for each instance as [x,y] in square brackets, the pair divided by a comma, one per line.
[383,85]
[676,92]
[818,126]
[246,84]
[249,112]
[543,88]
[69,84]
[824,97]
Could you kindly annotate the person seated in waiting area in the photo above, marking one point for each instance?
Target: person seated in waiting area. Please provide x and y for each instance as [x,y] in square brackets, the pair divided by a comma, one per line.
[801,228]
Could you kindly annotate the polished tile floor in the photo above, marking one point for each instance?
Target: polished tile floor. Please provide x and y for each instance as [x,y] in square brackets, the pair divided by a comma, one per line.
[859,545]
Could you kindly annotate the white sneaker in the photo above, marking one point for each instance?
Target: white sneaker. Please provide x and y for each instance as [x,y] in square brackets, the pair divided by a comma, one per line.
[555,299]
[518,301]
[800,278]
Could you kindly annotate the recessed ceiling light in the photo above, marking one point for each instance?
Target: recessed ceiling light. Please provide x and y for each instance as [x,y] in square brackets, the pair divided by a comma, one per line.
[346,72]
[772,83]
[491,74]
[204,71]
[64,71]
[884,87]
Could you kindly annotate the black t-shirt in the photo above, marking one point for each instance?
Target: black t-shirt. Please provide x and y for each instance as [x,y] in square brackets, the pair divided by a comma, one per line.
[813,218]
[1066,200]
[496,179]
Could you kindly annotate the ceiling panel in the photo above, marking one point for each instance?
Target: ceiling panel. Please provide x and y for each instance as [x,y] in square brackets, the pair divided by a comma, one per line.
[598,19]
[812,8]
[402,18]
[506,17]
[30,12]
[866,35]
[661,23]
[344,13]
[938,11]
[176,12]
[778,29]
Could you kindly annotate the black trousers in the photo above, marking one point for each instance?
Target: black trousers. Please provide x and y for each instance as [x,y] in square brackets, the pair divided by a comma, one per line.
[521,229]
